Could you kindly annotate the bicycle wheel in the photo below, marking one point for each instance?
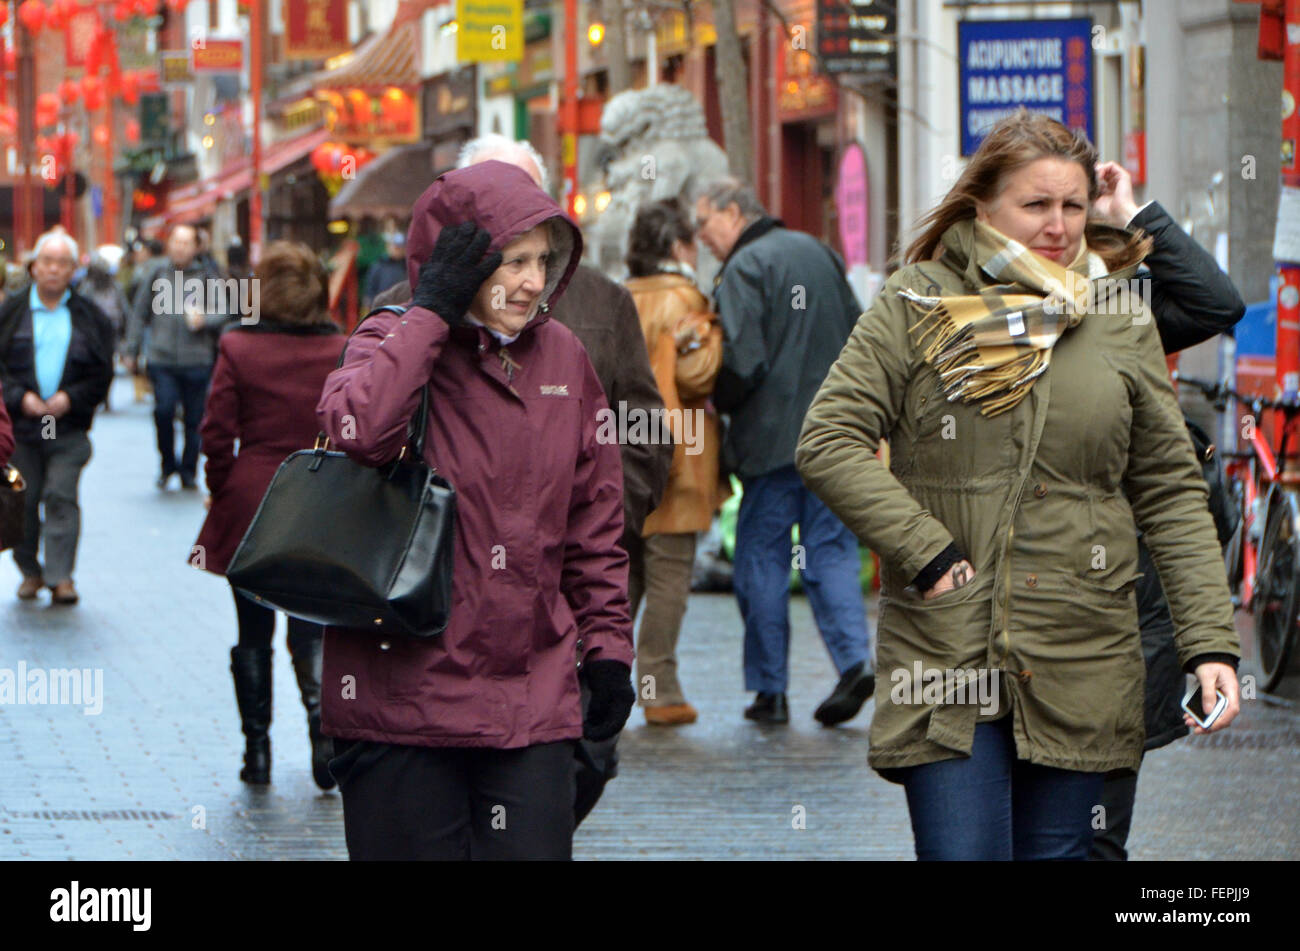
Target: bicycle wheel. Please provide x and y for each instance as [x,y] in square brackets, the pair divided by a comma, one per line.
[1277,590]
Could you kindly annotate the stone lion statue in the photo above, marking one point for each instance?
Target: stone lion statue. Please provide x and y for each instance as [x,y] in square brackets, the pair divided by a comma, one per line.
[655,145]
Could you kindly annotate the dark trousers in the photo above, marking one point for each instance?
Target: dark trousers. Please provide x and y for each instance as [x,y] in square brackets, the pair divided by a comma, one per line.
[991,806]
[408,803]
[187,386]
[1118,793]
[257,625]
[52,470]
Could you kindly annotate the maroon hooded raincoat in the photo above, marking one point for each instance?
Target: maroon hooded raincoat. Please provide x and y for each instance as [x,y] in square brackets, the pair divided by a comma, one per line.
[540,582]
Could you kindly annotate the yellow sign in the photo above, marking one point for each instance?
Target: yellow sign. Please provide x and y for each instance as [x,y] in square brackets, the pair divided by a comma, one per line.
[489,31]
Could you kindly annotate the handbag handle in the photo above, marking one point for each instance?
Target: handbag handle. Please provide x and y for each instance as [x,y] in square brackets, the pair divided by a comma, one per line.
[418,426]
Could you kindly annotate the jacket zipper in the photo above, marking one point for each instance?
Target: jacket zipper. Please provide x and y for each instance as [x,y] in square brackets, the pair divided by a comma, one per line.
[509,366]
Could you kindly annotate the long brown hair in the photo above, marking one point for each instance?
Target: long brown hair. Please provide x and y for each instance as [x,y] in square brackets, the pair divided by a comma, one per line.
[1017,140]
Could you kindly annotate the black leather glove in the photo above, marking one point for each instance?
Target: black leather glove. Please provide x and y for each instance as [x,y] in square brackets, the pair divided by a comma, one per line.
[612,696]
[454,272]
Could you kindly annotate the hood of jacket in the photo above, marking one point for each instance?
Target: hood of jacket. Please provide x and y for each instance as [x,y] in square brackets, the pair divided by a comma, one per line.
[504,201]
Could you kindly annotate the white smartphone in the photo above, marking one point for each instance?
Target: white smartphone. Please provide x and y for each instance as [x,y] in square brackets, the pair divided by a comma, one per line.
[1192,705]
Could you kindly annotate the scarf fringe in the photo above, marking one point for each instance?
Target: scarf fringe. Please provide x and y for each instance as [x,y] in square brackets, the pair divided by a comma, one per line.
[974,372]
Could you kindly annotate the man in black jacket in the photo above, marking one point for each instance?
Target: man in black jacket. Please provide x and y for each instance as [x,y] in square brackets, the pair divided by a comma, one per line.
[786,311]
[1192,300]
[56,365]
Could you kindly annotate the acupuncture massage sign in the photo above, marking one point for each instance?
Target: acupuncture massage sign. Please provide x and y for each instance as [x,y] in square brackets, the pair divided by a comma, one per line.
[1043,65]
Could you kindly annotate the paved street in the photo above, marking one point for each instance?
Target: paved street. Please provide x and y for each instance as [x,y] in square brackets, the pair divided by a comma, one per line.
[155,774]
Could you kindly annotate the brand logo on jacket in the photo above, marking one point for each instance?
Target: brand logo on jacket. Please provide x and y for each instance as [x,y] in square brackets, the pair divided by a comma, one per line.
[555,389]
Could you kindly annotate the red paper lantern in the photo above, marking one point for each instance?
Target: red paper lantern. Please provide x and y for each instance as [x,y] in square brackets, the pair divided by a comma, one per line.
[47,108]
[11,60]
[123,11]
[320,157]
[69,92]
[32,15]
[56,15]
[131,87]
[132,131]
[92,91]
[100,135]
[4,13]
[395,106]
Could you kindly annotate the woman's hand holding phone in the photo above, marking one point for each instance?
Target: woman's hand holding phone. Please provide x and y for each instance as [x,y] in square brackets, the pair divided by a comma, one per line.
[1216,677]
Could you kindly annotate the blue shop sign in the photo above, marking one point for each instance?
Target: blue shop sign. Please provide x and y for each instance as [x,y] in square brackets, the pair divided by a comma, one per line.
[1043,65]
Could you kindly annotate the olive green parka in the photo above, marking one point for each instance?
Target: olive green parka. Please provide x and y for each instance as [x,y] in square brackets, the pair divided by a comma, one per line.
[1043,499]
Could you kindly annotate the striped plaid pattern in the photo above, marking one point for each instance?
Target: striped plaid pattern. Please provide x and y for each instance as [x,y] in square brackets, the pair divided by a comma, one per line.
[991,346]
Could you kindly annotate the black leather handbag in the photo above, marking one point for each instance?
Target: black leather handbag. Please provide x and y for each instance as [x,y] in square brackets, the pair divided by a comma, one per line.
[13,504]
[348,545]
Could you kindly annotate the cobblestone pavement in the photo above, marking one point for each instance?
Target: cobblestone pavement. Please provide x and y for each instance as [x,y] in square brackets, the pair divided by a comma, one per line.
[155,774]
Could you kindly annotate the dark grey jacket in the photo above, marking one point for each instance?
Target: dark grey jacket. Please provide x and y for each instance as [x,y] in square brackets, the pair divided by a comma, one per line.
[786,311]
[171,342]
[1192,300]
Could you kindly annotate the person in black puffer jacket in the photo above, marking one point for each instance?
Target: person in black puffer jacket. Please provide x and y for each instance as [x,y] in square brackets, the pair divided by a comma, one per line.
[1192,300]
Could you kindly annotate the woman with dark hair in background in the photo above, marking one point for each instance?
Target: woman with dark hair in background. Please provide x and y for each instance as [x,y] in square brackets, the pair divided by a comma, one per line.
[265,385]
[685,344]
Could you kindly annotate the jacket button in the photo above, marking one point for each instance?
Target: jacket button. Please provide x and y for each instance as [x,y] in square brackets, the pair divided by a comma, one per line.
[384,645]
[1040,490]
[580,643]
[1032,581]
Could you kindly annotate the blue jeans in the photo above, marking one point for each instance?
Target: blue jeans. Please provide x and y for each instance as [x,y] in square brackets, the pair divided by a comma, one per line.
[829,564]
[189,387]
[991,806]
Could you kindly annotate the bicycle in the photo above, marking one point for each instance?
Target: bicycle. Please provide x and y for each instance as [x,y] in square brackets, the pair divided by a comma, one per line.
[1264,578]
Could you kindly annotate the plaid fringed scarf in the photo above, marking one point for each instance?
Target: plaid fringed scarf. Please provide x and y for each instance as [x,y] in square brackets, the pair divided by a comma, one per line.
[991,346]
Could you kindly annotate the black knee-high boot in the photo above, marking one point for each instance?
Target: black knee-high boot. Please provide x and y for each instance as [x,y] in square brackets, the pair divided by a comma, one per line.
[305,646]
[251,667]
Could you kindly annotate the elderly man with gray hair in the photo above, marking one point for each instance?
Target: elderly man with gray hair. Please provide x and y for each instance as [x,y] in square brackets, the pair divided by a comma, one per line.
[786,310]
[56,365]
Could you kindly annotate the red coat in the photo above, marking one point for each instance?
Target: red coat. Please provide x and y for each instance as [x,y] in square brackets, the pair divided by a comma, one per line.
[265,386]
[6,433]
[540,582]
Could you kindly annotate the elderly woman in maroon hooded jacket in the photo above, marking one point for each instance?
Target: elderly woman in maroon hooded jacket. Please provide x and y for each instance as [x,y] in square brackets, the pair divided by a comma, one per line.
[265,385]
[463,747]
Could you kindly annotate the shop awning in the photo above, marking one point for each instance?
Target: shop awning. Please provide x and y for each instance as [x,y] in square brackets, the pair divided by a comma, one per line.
[197,200]
[390,60]
[388,186]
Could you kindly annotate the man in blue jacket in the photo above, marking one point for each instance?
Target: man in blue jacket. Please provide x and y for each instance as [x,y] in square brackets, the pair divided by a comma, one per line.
[786,311]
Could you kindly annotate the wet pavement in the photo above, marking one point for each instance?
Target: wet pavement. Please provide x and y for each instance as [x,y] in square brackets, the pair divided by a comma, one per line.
[154,774]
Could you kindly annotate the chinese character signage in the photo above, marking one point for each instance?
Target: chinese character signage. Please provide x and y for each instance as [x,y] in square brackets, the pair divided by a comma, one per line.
[1043,65]
[857,36]
[489,31]
[315,29]
[174,69]
[802,92]
[82,30]
[217,56]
